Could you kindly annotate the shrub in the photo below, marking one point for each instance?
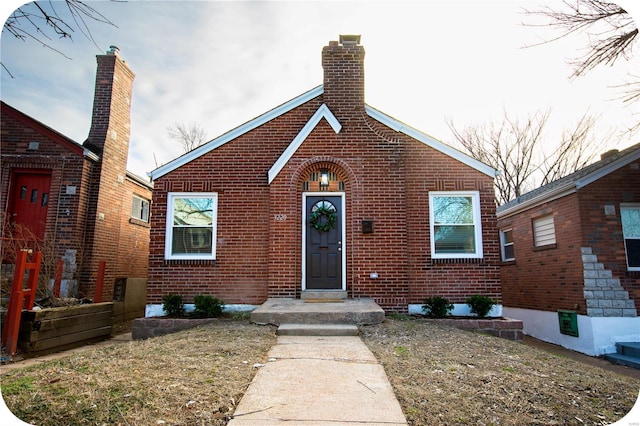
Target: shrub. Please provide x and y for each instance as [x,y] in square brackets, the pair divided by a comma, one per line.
[172,305]
[207,306]
[480,305]
[436,307]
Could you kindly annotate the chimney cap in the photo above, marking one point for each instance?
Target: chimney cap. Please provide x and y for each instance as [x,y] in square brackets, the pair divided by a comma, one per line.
[113,50]
[349,39]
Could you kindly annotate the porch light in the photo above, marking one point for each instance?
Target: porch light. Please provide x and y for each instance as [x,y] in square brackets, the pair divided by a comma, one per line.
[324,178]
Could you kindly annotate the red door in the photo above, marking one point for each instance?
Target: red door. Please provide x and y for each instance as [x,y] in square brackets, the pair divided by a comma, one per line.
[28,204]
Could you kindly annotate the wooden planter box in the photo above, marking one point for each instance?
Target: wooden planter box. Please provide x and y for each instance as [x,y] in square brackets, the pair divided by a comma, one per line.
[56,329]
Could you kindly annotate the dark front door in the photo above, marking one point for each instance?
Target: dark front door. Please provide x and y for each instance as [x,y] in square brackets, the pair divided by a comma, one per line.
[29,203]
[323,243]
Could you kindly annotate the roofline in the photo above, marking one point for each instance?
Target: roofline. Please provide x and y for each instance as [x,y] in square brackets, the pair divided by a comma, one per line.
[139,180]
[401,127]
[235,133]
[322,112]
[572,186]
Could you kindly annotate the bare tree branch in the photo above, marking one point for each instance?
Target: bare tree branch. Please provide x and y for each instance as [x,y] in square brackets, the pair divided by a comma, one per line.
[516,149]
[40,22]
[189,135]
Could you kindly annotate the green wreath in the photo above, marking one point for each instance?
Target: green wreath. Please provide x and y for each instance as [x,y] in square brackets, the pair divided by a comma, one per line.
[329,213]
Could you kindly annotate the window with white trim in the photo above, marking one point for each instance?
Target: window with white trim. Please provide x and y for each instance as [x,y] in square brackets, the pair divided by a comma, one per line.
[140,208]
[454,219]
[506,244]
[191,225]
[630,216]
[544,231]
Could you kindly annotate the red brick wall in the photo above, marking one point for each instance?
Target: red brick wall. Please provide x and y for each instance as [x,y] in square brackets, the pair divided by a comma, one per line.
[553,279]
[110,197]
[549,278]
[386,175]
[603,233]
[63,159]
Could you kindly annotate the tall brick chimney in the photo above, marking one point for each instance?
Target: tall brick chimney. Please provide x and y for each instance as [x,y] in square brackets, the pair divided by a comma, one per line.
[343,64]
[109,139]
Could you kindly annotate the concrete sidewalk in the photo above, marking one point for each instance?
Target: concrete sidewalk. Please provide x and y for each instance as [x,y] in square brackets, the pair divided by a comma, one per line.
[319,380]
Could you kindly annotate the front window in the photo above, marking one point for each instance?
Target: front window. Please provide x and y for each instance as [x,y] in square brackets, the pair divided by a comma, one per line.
[630,216]
[455,225]
[191,226]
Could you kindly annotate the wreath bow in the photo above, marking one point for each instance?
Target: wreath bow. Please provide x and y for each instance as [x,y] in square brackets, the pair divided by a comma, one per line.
[329,213]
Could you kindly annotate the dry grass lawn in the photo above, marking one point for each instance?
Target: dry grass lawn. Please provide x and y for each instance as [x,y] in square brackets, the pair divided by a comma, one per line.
[196,377]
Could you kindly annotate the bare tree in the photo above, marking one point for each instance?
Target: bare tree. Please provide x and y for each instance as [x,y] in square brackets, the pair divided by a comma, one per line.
[610,32]
[515,148]
[189,135]
[43,21]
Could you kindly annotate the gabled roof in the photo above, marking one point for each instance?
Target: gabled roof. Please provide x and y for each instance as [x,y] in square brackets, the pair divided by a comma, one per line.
[322,112]
[571,183]
[47,131]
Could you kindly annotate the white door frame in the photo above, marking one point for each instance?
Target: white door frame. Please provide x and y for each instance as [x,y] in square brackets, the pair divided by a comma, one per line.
[343,231]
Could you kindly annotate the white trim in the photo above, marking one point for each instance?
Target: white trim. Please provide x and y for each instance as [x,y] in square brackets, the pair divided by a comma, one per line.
[596,335]
[399,126]
[156,310]
[235,133]
[459,309]
[342,237]
[559,192]
[168,239]
[322,112]
[477,225]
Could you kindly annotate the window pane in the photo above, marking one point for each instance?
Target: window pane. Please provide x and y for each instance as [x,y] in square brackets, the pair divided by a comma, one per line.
[191,240]
[193,211]
[509,253]
[630,222]
[507,236]
[453,210]
[544,231]
[454,239]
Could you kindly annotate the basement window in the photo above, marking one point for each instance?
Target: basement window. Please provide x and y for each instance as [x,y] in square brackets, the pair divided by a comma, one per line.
[191,225]
[630,216]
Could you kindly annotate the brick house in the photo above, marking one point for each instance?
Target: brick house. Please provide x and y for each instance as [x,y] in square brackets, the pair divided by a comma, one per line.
[574,246]
[78,200]
[324,194]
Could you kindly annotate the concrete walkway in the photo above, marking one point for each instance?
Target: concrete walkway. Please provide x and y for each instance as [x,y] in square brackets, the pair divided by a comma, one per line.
[319,380]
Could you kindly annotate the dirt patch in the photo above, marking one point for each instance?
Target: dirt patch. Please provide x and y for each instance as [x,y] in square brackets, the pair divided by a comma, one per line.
[445,376]
[441,376]
[193,377]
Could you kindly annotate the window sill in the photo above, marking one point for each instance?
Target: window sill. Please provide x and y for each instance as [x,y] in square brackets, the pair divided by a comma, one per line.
[134,221]
[508,262]
[547,247]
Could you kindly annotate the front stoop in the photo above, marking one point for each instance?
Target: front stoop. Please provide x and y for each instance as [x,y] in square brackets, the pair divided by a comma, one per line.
[627,353]
[278,311]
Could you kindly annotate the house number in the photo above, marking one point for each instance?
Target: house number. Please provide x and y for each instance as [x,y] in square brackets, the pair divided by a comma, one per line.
[280,217]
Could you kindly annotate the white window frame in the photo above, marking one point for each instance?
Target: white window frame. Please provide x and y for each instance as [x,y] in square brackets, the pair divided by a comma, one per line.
[504,243]
[171,197]
[144,212]
[544,231]
[477,224]
[624,207]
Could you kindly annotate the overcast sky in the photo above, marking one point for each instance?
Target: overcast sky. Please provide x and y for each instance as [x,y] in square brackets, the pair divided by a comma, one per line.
[220,64]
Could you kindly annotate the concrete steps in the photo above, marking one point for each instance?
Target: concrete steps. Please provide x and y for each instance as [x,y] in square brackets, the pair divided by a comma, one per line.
[318,330]
[278,311]
[627,353]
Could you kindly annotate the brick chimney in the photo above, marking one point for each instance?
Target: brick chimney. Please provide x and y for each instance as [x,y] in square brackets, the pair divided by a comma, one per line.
[109,139]
[343,64]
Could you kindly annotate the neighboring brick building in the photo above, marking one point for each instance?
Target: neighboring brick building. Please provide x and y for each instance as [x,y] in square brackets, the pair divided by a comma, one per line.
[574,245]
[324,194]
[78,200]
